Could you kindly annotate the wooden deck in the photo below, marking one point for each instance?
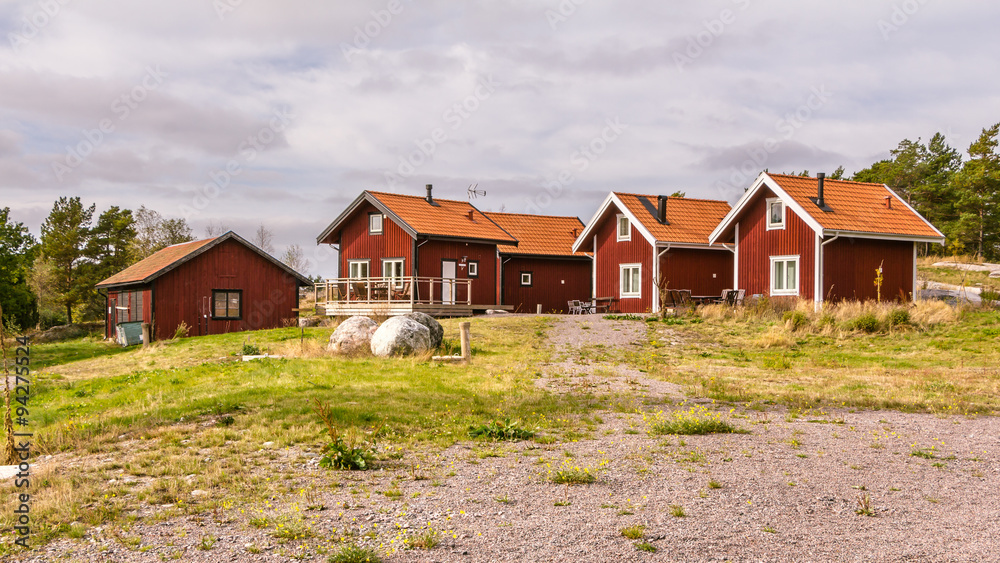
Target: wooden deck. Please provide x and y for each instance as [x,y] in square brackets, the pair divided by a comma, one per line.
[437,297]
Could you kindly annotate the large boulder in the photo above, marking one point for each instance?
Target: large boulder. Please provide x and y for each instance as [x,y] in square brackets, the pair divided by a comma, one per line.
[401,336]
[437,331]
[353,335]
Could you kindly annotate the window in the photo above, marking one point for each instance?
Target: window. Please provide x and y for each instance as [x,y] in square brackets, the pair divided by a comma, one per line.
[784,275]
[128,307]
[631,278]
[393,269]
[624,228]
[775,214]
[227,304]
[527,279]
[357,269]
[473,268]
[374,223]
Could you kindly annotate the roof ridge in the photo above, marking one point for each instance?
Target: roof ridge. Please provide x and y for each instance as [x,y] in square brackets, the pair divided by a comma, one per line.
[469,203]
[880,184]
[674,198]
[532,215]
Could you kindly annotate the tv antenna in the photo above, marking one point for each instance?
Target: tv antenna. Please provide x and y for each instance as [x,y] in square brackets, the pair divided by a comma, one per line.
[475,192]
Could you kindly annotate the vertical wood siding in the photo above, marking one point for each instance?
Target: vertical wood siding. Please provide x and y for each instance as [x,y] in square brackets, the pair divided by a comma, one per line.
[357,244]
[685,268]
[757,245]
[849,266]
[555,282]
[484,288]
[611,254]
[185,294]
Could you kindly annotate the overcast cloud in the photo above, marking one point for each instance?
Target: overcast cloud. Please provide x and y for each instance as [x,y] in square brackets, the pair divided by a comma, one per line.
[310,102]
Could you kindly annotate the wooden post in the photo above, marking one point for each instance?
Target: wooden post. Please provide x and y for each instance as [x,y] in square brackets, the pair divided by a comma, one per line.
[466,341]
[538,309]
[145,334]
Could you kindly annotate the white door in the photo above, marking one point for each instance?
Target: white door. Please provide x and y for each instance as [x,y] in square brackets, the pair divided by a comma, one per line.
[449,271]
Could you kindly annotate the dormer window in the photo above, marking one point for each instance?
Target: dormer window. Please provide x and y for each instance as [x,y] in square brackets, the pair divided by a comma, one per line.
[775,214]
[374,223]
[624,228]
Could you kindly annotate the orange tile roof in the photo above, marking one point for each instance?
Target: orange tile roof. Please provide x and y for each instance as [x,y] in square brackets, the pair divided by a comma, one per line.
[539,235]
[147,268]
[449,218]
[690,220]
[856,206]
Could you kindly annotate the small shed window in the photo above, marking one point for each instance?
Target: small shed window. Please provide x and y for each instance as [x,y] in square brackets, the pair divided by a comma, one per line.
[775,214]
[473,268]
[624,228]
[527,279]
[227,304]
[128,307]
[784,275]
[374,223]
[631,284]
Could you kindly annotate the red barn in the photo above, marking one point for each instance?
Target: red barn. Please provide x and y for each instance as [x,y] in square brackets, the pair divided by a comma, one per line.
[405,253]
[642,242]
[216,285]
[542,269]
[819,239]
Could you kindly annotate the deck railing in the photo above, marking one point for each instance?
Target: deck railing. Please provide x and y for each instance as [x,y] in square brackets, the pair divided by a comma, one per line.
[413,290]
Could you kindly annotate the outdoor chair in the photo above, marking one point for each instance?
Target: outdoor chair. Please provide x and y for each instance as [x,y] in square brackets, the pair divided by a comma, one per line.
[359,291]
[574,307]
[740,294]
[685,298]
[722,299]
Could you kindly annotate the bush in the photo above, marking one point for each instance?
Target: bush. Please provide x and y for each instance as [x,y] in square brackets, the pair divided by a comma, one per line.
[182,332]
[251,349]
[501,430]
[794,320]
[898,317]
[867,322]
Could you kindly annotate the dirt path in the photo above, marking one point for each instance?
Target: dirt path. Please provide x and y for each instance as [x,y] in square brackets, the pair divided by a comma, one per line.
[787,491]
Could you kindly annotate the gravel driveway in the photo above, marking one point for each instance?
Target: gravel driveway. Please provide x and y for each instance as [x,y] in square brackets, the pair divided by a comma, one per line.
[787,491]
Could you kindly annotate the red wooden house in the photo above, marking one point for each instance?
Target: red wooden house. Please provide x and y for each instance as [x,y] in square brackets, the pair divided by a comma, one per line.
[217,285]
[642,242]
[542,269]
[405,253]
[821,239]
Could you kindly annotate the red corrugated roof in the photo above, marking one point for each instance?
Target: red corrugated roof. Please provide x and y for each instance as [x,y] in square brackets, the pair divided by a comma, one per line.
[447,218]
[155,263]
[856,206]
[690,220]
[539,235]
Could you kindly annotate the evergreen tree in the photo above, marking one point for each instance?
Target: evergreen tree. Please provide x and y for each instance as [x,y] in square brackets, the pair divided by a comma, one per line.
[978,189]
[65,235]
[17,253]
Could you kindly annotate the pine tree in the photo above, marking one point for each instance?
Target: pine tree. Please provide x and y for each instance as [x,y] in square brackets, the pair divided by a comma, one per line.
[65,235]
[17,253]
[978,189]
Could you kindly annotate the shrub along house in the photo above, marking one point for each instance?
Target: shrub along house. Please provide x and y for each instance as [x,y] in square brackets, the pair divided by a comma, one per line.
[640,243]
[405,253]
[820,239]
[542,269]
[217,285]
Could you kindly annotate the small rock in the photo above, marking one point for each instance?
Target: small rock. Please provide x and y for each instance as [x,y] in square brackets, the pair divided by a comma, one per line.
[268,444]
[198,493]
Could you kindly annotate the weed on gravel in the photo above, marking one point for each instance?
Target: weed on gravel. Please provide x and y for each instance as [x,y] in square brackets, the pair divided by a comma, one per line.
[696,420]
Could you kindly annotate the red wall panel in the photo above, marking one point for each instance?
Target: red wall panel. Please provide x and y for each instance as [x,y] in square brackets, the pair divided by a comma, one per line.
[185,293]
[555,282]
[611,254]
[357,244]
[430,254]
[757,245]
[704,272]
[849,266]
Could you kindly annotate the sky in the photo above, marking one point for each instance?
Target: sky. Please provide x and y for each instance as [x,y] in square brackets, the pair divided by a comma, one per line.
[239,113]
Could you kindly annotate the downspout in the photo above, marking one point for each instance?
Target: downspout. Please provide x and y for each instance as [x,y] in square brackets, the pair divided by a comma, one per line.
[820,297]
[107,313]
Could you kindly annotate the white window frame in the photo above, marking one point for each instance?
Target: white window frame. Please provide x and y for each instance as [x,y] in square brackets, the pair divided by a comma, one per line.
[381,223]
[798,275]
[388,272]
[351,265]
[473,268]
[771,226]
[527,279]
[622,294]
[618,228]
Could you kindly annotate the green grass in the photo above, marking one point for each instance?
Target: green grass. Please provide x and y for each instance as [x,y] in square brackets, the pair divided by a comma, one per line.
[694,421]
[60,353]
[158,396]
[636,532]
[355,554]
